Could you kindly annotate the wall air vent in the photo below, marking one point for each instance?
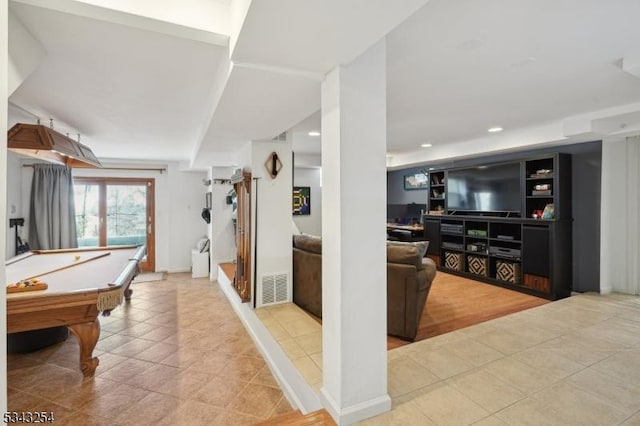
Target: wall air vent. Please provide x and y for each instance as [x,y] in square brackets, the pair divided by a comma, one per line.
[274,289]
[282,137]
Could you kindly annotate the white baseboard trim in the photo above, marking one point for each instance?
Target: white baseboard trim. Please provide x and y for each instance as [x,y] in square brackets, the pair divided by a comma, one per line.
[177,270]
[357,412]
[293,385]
[605,289]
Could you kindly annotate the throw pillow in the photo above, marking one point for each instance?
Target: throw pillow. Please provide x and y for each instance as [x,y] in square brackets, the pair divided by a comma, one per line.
[421,246]
[306,242]
[407,254]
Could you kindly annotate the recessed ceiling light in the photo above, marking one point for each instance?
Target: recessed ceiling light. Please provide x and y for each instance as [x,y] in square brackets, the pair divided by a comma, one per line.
[314,133]
[426,145]
[494,129]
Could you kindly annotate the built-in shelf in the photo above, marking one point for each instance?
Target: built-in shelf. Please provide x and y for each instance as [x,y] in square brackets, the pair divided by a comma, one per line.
[527,253]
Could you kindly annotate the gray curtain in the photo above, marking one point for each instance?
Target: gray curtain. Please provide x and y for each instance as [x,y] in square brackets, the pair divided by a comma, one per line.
[52,216]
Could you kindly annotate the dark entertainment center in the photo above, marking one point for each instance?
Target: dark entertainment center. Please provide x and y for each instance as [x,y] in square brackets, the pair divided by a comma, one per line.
[508,224]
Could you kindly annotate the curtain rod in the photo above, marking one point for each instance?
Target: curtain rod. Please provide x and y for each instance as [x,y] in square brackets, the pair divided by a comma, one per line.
[133,169]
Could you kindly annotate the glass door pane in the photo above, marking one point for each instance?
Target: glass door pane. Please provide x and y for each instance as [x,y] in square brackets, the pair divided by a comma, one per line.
[126,214]
[87,202]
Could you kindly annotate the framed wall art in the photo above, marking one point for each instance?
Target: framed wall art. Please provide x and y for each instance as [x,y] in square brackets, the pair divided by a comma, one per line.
[301,200]
[416,181]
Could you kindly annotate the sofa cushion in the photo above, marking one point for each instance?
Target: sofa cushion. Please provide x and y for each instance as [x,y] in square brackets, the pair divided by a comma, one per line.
[308,242]
[407,254]
[422,246]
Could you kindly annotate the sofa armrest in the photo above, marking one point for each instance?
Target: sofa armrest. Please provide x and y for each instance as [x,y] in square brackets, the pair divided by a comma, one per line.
[406,297]
[307,281]
[430,268]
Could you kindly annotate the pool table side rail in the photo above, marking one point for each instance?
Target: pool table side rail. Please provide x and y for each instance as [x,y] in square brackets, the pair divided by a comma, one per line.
[129,272]
[37,313]
[83,249]
[108,299]
[18,258]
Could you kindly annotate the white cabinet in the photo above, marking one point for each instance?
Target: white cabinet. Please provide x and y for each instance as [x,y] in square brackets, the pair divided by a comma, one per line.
[199,264]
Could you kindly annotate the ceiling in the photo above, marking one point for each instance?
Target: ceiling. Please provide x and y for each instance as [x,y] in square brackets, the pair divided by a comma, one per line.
[151,85]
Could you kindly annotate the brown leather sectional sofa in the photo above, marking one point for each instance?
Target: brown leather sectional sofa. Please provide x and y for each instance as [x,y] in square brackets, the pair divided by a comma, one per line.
[409,278]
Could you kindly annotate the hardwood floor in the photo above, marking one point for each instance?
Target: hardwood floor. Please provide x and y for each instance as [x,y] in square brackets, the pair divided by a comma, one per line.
[229,270]
[295,418]
[455,302]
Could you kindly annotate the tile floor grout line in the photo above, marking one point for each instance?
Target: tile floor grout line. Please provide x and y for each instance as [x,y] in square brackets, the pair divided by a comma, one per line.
[232,335]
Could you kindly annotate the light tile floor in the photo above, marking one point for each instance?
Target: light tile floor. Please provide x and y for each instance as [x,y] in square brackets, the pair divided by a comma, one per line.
[299,336]
[177,354]
[575,361]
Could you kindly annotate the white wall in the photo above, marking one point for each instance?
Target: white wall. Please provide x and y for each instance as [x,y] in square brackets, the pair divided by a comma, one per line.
[311,224]
[180,197]
[273,236]
[619,226]
[244,156]
[14,200]
[25,53]
[4,94]
[221,232]
[186,200]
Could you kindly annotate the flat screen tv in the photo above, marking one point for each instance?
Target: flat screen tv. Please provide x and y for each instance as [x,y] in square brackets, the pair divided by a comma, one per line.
[485,189]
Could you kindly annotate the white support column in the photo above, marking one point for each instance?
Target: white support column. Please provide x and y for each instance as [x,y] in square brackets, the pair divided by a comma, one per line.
[620,216]
[354,284]
[633,214]
[4,96]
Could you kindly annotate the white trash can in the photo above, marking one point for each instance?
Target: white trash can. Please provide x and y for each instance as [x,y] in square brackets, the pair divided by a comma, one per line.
[199,264]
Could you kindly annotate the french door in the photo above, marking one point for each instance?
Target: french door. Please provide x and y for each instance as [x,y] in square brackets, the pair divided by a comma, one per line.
[116,211]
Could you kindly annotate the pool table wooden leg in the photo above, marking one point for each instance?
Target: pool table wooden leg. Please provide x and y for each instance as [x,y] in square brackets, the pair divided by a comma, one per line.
[87,334]
[127,289]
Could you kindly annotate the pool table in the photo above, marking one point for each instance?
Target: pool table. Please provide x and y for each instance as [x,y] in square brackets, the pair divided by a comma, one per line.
[81,284]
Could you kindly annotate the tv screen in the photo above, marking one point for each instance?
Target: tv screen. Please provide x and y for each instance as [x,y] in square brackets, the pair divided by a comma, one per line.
[494,188]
